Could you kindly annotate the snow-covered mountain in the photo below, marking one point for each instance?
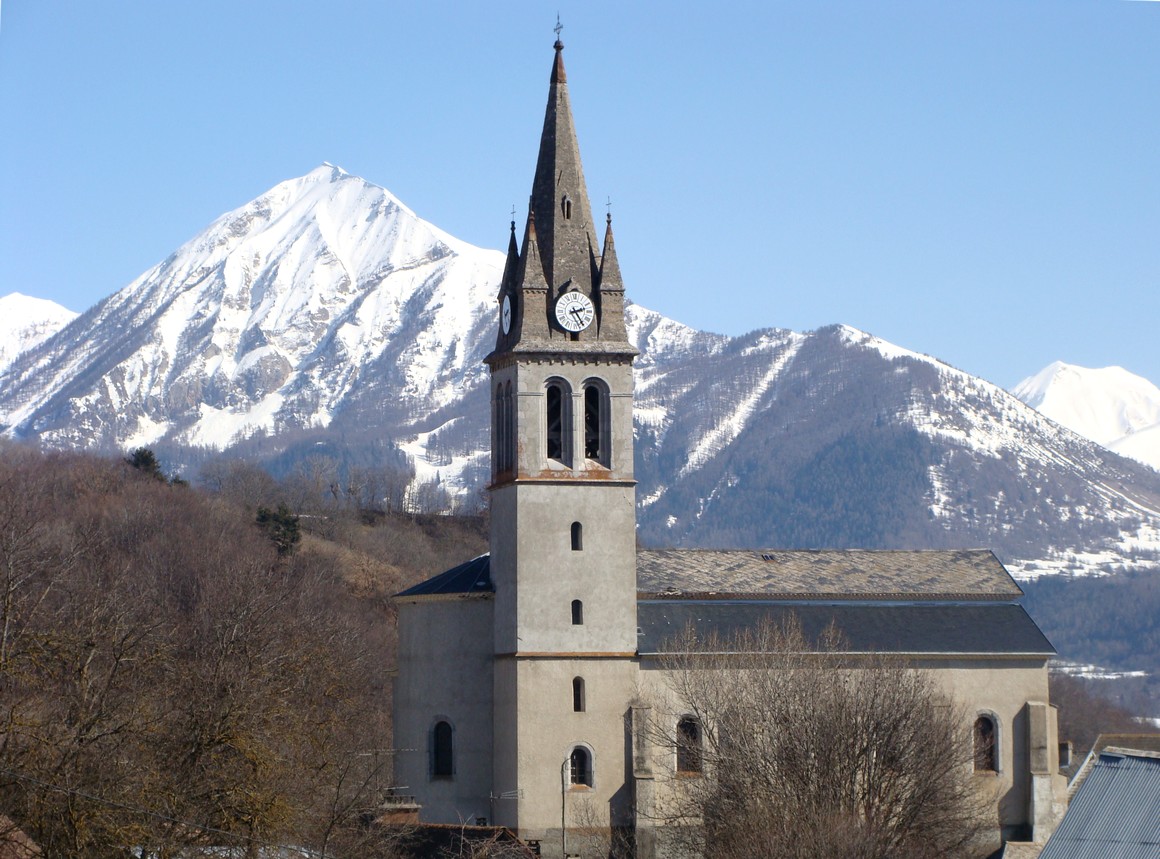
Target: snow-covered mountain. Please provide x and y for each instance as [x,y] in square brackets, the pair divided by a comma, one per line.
[276,317]
[1111,406]
[325,326]
[26,322]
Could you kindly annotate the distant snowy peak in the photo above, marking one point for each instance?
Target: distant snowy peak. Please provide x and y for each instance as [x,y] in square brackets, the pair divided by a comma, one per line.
[269,319]
[1110,406]
[26,322]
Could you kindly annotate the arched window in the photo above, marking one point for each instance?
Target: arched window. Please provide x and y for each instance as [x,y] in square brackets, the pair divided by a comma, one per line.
[580,766]
[442,751]
[578,694]
[597,423]
[497,432]
[577,537]
[577,613]
[688,745]
[503,430]
[558,440]
[985,758]
[566,207]
[509,428]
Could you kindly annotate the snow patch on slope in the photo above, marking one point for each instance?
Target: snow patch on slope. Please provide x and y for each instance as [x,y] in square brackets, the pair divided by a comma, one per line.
[731,425]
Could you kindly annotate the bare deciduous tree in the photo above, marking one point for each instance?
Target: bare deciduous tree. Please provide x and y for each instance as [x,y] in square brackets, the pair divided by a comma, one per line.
[792,750]
[166,678]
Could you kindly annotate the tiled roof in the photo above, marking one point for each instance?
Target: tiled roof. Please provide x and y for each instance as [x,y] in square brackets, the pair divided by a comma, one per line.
[867,627]
[848,573]
[1116,812]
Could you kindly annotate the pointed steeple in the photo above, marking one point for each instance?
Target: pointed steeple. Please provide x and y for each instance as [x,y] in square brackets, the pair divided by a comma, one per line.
[560,253]
[559,195]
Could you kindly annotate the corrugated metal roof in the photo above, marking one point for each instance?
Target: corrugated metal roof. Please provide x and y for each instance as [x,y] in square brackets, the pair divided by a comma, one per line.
[844,573]
[936,628]
[1140,742]
[1116,812]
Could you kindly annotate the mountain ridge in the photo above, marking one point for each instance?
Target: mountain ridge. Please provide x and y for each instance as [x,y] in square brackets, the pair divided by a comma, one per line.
[324,322]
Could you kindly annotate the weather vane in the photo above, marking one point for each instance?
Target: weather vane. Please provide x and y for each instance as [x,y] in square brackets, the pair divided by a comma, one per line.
[558,27]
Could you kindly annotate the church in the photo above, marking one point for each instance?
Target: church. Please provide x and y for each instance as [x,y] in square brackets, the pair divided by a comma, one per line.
[525,676]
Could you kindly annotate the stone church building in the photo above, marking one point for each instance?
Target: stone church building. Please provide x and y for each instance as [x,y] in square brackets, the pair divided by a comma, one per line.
[524,675]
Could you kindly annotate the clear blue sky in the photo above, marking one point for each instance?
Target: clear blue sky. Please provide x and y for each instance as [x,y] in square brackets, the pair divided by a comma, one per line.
[975,180]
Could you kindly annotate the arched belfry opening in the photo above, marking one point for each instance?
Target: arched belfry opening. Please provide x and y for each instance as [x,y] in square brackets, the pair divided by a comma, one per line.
[558,425]
[503,430]
[597,423]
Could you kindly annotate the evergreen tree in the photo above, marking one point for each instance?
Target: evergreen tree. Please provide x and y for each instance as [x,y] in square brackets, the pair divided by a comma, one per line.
[145,461]
[281,526]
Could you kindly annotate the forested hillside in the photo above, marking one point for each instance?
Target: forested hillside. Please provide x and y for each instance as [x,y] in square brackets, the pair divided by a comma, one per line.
[180,667]
[1109,621]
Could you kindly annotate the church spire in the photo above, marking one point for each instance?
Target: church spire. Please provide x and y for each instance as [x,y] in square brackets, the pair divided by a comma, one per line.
[563,215]
[552,295]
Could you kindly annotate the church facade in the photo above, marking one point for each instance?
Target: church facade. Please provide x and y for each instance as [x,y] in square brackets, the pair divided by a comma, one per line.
[526,676]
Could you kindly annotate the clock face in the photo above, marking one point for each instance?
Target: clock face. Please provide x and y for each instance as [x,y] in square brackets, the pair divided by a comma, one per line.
[505,314]
[574,311]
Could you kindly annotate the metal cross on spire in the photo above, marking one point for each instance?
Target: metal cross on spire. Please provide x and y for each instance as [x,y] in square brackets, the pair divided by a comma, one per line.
[558,27]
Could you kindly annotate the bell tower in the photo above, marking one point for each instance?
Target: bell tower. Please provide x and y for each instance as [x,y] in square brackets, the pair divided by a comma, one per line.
[563,526]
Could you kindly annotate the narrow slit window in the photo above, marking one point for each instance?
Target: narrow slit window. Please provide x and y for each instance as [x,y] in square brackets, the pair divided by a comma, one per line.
[577,537]
[442,751]
[578,694]
[577,613]
[566,207]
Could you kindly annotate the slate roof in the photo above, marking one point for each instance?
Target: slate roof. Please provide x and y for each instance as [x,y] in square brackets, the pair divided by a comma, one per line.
[867,627]
[836,573]
[881,601]
[470,578]
[969,574]
[1116,812]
